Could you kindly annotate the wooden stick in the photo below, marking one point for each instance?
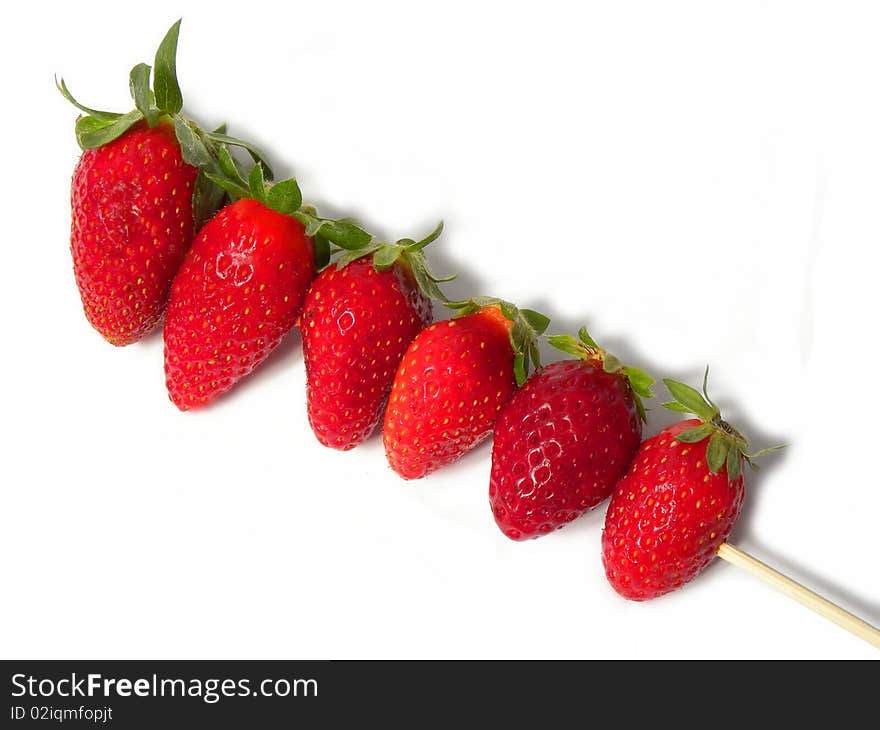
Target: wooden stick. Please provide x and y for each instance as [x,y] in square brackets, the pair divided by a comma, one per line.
[802,595]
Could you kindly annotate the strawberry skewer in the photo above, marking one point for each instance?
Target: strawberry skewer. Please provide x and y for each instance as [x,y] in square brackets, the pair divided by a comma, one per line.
[799,593]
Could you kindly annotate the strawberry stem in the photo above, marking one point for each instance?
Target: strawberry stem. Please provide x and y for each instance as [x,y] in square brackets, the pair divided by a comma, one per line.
[727,446]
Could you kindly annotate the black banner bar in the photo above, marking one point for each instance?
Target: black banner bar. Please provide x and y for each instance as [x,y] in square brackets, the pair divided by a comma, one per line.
[263,694]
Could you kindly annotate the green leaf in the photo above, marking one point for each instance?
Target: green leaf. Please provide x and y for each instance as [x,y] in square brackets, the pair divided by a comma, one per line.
[385,257]
[311,222]
[427,283]
[255,153]
[96,113]
[417,260]
[509,310]
[519,368]
[527,356]
[568,345]
[611,363]
[192,148]
[734,464]
[705,390]
[716,452]
[413,246]
[346,258]
[257,183]
[484,301]
[345,234]
[139,85]
[86,126]
[230,186]
[690,399]
[641,409]
[535,354]
[472,305]
[695,434]
[677,407]
[92,132]
[322,252]
[639,381]
[764,452]
[433,277]
[586,339]
[460,305]
[519,336]
[228,165]
[208,197]
[285,196]
[165,86]
[537,321]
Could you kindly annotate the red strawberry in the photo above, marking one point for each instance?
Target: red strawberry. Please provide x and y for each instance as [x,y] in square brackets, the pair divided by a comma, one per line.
[678,502]
[239,291]
[564,440]
[135,195]
[132,221]
[242,284]
[452,382]
[358,319]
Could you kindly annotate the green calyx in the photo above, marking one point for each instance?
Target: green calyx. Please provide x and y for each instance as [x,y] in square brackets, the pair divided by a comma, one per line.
[406,251]
[161,103]
[727,446]
[584,347]
[528,325]
[163,100]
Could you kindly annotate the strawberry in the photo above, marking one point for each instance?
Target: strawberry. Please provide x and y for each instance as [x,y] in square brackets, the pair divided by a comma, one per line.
[242,284]
[678,502]
[565,438]
[453,381]
[132,221]
[237,294]
[358,319]
[136,197]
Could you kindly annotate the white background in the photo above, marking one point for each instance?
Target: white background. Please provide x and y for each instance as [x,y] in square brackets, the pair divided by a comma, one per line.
[697,181]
